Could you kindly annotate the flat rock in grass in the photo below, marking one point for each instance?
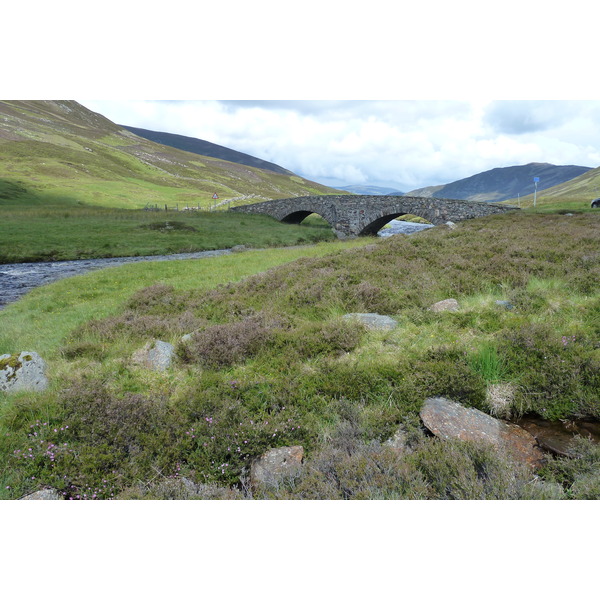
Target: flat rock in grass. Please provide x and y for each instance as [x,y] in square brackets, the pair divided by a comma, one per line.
[373,321]
[47,494]
[155,355]
[450,420]
[24,371]
[445,305]
[276,464]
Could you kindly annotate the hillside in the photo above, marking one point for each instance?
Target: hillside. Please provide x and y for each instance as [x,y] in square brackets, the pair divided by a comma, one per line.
[61,152]
[581,190]
[196,146]
[503,183]
[253,372]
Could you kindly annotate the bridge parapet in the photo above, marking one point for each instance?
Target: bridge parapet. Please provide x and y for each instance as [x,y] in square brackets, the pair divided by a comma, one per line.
[353,215]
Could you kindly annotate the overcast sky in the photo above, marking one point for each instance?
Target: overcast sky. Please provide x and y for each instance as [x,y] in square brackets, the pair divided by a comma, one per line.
[402,144]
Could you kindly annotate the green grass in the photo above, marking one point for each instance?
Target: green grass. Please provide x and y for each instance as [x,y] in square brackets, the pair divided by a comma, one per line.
[272,364]
[65,232]
[45,316]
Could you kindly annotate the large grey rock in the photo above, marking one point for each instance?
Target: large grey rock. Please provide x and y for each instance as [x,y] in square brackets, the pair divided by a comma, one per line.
[155,355]
[25,371]
[373,321]
[445,305]
[276,464]
[47,494]
[450,420]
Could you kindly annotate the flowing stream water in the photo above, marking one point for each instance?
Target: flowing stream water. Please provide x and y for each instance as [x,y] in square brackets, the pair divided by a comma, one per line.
[17,279]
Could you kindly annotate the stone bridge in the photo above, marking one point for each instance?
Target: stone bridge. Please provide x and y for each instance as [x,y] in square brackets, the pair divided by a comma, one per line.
[351,216]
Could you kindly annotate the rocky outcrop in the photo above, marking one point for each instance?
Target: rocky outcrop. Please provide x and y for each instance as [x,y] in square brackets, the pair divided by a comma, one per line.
[155,355]
[373,321]
[450,420]
[276,464]
[445,305]
[25,371]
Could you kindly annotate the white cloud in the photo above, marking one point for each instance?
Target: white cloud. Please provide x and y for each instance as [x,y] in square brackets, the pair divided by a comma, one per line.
[405,144]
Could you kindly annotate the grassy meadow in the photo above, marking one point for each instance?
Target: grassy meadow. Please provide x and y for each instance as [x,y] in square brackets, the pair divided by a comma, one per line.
[272,363]
[36,227]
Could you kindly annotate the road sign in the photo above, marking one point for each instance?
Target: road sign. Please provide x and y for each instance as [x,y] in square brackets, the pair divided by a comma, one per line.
[536,179]
[215,197]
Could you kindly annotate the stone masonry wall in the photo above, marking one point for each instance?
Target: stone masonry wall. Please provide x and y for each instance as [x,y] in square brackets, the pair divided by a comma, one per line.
[362,215]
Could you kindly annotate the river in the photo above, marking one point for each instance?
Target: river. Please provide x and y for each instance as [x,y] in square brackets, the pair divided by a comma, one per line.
[17,279]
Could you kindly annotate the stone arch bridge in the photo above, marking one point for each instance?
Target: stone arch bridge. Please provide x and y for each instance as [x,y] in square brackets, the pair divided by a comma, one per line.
[351,216]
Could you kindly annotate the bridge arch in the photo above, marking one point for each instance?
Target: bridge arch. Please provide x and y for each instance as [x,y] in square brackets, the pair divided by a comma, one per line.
[380,222]
[295,218]
[350,216]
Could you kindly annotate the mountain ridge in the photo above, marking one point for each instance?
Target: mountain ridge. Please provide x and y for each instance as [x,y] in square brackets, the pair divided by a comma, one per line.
[205,148]
[503,183]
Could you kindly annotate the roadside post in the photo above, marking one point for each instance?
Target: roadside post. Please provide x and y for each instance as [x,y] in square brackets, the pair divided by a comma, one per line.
[535,181]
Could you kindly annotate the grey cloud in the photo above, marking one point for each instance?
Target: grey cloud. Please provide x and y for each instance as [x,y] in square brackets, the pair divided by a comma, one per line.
[527,116]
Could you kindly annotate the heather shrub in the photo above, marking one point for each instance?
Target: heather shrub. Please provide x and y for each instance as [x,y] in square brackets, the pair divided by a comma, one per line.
[457,470]
[84,350]
[558,374]
[579,473]
[157,300]
[318,338]
[179,488]
[140,326]
[227,344]
[446,371]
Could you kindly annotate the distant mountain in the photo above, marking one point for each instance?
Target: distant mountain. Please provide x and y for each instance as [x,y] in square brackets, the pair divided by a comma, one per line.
[371,190]
[503,183]
[197,146]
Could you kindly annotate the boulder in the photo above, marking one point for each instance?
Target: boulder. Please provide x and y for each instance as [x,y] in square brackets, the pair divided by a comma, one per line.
[445,305]
[155,355]
[25,371]
[450,420]
[373,321]
[276,464]
[46,494]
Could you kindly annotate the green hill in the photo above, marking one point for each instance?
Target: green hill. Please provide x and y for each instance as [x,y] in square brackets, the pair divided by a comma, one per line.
[57,152]
[576,193]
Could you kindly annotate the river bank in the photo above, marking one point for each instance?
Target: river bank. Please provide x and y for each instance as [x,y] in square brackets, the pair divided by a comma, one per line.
[17,279]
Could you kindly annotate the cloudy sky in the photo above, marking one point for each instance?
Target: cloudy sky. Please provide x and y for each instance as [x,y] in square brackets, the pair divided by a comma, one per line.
[403,144]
